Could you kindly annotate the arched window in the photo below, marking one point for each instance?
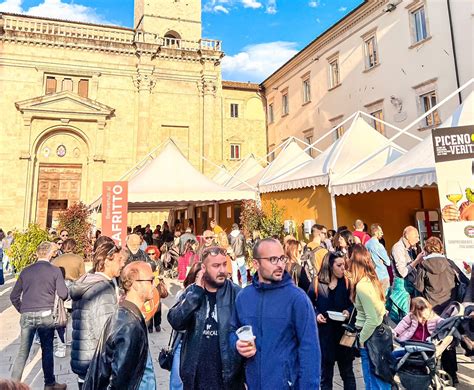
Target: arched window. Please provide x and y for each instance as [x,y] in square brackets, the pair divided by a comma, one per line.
[172,39]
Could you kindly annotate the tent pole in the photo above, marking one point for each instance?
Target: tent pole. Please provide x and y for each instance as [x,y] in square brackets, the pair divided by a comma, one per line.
[334,211]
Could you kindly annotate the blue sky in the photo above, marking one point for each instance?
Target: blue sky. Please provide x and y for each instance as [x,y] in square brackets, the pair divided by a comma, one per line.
[258,35]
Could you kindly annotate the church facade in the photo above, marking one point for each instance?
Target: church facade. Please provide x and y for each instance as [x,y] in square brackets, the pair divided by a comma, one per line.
[83,103]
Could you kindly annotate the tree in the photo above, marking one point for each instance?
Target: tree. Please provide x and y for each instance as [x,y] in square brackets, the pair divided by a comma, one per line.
[272,224]
[251,217]
[75,219]
[23,249]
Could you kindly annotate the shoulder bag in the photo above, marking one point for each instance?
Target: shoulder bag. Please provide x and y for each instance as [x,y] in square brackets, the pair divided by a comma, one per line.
[349,337]
[59,313]
[166,355]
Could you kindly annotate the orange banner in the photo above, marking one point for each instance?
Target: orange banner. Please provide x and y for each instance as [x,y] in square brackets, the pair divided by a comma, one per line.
[114,210]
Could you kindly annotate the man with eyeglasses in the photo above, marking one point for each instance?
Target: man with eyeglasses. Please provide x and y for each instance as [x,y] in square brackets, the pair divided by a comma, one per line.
[95,297]
[204,310]
[285,352]
[122,359]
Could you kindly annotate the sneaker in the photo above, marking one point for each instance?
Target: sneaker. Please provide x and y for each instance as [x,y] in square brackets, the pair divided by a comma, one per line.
[150,330]
[56,386]
[158,328]
[60,353]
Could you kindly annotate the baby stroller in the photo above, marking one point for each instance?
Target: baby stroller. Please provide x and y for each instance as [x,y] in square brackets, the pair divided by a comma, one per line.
[417,364]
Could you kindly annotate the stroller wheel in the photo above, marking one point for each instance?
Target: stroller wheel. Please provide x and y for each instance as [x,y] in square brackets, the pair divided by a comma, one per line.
[442,380]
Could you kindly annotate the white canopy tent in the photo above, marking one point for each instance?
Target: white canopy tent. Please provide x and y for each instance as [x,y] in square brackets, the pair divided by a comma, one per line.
[358,141]
[414,169]
[290,156]
[247,169]
[170,180]
[222,175]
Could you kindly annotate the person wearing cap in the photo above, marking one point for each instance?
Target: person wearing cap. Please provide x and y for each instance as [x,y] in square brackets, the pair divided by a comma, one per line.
[203,311]
[239,248]
[135,253]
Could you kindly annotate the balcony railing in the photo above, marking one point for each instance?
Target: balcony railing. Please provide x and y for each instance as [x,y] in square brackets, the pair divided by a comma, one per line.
[13,23]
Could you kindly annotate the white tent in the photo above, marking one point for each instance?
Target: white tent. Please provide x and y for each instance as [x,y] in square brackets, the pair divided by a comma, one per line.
[358,141]
[414,169]
[170,180]
[222,175]
[249,168]
[289,157]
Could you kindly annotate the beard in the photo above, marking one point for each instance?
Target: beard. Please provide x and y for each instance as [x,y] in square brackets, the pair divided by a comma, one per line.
[214,283]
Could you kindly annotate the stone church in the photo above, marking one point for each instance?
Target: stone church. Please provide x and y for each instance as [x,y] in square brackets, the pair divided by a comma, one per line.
[83,103]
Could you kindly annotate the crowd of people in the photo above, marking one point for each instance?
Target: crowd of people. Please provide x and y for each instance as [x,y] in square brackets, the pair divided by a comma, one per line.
[253,313]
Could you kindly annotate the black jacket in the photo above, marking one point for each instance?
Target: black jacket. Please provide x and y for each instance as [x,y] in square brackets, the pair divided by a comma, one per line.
[94,299]
[121,355]
[189,314]
[436,280]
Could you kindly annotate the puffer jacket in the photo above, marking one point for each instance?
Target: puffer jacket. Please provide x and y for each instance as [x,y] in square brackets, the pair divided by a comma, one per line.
[189,314]
[94,300]
[237,242]
[436,281]
[406,328]
[120,359]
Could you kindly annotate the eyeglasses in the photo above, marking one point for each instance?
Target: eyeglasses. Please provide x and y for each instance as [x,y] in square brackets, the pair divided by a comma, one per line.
[275,259]
[214,252]
[152,253]
[152,280]
[113,250]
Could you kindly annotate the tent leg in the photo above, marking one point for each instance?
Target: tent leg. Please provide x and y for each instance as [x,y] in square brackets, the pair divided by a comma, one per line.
[334,211]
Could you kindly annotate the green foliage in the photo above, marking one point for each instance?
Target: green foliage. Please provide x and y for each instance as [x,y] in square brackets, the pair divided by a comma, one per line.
[75,219]
[23,249]
[272,225]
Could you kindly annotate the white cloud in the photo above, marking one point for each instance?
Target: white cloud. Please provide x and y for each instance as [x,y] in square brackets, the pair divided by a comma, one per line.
[342,9]
[13,6]
[251,4]
[220,8]
[313,4]
[271,7]
[55,9]
[256,62]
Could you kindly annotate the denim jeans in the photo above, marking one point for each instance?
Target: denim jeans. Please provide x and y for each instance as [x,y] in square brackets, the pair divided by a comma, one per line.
[371,381]
[148,379]
[239,265]
[175,380]
[30,324]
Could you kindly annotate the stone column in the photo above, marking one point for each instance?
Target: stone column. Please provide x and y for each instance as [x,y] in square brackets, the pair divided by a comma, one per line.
[208,119]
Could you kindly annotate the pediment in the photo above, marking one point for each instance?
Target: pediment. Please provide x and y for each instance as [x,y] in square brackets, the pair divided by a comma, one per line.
[235,139]
[65,104]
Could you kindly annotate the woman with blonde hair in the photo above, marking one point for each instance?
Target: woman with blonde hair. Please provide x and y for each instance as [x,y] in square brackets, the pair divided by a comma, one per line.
[293,250]
[223,242]
[375,337]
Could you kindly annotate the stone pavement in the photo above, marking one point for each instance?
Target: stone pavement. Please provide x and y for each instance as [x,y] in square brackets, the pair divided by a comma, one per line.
[33,376]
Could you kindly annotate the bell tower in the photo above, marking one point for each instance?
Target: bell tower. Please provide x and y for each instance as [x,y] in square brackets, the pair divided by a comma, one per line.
[171,18]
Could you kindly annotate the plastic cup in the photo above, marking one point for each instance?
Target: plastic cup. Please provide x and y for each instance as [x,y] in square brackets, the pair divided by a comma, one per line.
[245,333]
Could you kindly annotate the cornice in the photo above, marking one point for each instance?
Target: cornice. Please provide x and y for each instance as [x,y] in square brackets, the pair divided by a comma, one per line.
[334,32]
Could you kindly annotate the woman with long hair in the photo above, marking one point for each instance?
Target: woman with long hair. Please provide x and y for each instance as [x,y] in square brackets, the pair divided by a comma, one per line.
[331,292]
[187,259]
[344,242]
[375,338]
[293,250]
[223,242]
[154,254]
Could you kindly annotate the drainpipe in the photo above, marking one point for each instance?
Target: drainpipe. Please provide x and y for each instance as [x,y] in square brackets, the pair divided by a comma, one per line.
[334,211]
[448,3]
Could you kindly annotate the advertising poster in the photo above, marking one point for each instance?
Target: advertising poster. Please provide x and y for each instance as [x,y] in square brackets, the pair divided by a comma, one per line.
[114,210]
[454,157]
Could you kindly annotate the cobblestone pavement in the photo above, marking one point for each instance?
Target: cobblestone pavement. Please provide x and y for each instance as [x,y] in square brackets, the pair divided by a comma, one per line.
[9,344]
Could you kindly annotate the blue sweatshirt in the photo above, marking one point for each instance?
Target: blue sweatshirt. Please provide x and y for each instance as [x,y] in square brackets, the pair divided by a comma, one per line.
[284,324]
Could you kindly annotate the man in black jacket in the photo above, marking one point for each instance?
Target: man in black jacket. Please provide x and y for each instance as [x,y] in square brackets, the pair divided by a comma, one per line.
[237,242]
[204,310]
[122,359]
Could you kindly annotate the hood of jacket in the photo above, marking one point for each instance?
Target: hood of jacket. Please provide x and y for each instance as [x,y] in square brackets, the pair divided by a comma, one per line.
[84,283]
[435,264]
[235,233]
[285,281]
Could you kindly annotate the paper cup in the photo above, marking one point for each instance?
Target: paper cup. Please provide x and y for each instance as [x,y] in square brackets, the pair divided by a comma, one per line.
[245,333]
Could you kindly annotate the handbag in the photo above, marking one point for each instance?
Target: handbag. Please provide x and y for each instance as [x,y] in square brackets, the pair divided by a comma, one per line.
[59,313]
[166,355]
[349,337]
[163,291]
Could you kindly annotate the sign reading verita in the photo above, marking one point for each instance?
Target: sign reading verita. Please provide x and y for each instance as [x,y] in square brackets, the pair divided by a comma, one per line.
[454,157]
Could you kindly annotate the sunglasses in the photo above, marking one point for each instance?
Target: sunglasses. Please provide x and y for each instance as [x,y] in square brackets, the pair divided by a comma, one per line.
[64,235]
[275,259]
[215,251]
[152,253]
[208,238]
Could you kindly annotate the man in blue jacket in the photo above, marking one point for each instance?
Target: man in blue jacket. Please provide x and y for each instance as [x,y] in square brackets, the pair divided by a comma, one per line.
[285,353]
